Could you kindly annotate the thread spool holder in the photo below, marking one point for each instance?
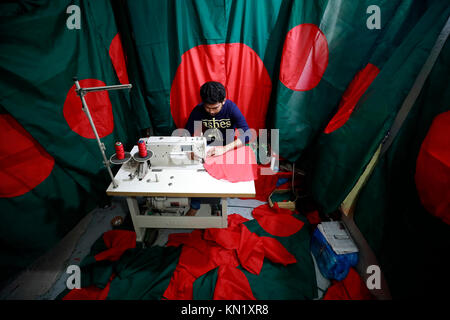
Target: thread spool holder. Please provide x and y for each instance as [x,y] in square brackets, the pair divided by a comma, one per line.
[143,163]
[81,92]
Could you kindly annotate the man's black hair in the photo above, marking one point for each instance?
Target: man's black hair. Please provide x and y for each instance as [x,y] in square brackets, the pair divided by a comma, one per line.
[212,92]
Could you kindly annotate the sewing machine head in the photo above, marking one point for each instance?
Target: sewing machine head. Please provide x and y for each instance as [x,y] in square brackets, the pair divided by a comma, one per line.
[176,151]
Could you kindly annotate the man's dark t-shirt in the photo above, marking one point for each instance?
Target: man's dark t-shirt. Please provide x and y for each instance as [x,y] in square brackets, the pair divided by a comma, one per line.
[229,117]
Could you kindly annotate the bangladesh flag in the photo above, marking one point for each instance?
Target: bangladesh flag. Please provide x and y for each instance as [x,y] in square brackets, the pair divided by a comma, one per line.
[51,167]
[267,258]
[182,44]
[409,186]
[344,149]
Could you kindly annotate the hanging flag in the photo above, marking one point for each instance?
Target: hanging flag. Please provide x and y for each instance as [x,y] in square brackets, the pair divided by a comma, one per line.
[341,156]
[52,165]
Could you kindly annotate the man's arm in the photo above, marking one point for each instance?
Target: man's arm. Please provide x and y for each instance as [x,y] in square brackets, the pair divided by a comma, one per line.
[219,150]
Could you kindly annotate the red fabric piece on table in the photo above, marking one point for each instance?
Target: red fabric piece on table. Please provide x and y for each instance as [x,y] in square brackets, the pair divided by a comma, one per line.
[89,293]
[205,250]
[232,284]
[234,166]
[362,80]
[277,221]
[351,288]
[432,175]
[118,241]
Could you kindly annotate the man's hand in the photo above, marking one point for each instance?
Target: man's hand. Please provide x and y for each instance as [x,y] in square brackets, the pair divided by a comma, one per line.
[216,151]
[219,150]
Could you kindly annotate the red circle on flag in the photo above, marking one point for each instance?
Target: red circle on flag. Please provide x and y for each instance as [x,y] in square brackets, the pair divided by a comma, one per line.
[236,66]
[118,59]
[304,58]
[24,164]
[433,169]
[99,106]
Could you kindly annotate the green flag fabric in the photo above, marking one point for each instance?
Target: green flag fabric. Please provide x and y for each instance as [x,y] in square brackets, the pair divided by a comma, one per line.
[341,156]
[51,161]
[330,75]
[399,228]
[275,282]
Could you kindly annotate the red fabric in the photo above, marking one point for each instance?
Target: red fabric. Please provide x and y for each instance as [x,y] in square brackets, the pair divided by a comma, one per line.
[275,252]
[118,59]
[236,66]
[89,293]
[304,58]
[276,221]
[351,288]
[197,257]
[205,250]
[118,241]
[232,285]
[251,251]
[234,166]
[313,217]
[351,96]
[432,175]
[266,183]
[24,163]
[99,106]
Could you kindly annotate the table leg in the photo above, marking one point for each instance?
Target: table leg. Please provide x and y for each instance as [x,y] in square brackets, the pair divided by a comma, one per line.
[134,212]
[224,213]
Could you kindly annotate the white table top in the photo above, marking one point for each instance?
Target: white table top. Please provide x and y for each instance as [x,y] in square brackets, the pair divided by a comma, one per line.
[184,181]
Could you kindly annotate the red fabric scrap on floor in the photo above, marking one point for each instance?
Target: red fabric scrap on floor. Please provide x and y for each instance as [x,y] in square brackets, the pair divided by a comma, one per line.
[351,288]
[251,251]
[228,238]
[232,284]
[234,166]
[275,252]
[230,247]
[118,241]
[277,221]
[89,293]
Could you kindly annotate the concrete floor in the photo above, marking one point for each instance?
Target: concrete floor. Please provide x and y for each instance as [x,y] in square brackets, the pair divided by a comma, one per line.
[46,278]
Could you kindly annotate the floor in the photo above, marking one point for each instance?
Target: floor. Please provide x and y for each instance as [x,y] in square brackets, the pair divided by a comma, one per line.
[46,278]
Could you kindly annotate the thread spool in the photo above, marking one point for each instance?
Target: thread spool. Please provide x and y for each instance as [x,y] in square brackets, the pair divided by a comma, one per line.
[120,152]
[142,148]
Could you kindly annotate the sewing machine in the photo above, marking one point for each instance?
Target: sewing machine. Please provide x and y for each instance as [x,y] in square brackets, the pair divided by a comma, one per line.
[176,151]
[170,175]
[170,152]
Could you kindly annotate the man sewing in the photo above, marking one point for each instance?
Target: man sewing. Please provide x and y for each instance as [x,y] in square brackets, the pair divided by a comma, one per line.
[219,117]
